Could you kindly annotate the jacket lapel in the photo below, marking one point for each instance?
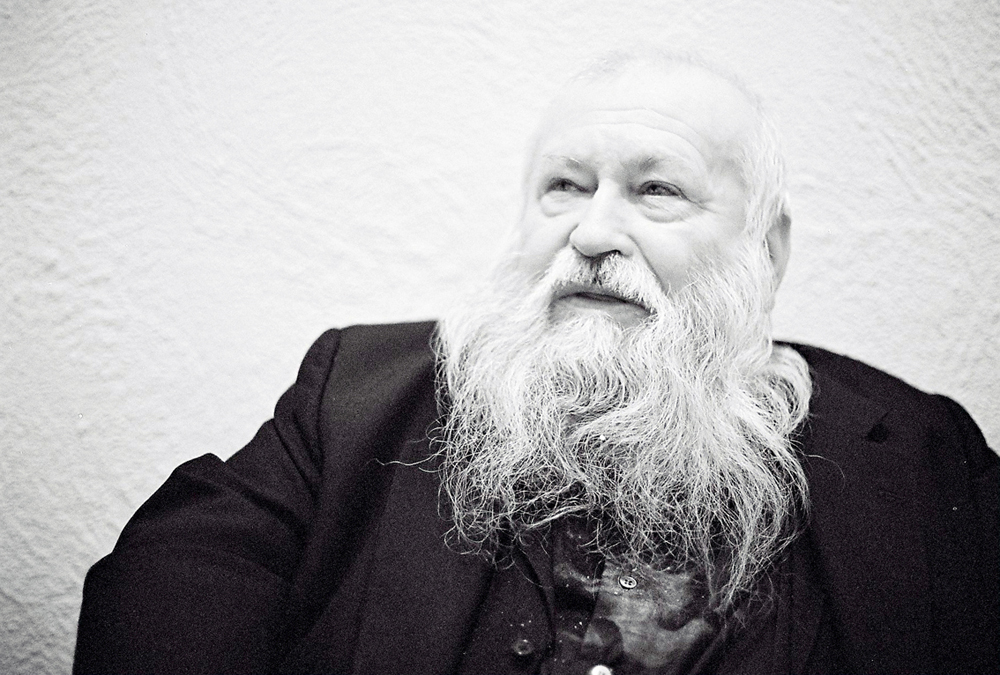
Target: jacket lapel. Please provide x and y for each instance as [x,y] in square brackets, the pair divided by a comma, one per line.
[863,532]
[423,597]
[799,617]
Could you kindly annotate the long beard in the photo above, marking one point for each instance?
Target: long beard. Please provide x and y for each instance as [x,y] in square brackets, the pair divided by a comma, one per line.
[672,436]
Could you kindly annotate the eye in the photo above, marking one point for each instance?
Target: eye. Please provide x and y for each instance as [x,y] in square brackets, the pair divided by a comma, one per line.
[563,185]
[655,188]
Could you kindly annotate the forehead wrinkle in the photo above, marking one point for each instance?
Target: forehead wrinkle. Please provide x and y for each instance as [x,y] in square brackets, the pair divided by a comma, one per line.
[651,162]
[642,117]
[642,160]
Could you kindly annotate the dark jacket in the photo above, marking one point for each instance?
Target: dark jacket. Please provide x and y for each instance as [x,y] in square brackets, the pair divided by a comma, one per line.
[319,546]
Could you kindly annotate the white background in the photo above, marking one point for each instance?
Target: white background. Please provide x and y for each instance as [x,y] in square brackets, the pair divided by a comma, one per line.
[190,192]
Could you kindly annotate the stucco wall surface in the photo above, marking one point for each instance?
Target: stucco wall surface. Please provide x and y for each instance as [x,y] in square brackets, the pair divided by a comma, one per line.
[191,192]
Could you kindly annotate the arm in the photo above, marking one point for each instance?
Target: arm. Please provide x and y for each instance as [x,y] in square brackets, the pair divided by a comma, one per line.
[200,575]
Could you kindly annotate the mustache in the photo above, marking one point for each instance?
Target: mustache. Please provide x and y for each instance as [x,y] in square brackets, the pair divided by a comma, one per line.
[611,275]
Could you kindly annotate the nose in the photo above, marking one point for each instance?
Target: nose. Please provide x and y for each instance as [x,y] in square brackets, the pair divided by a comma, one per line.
[601,229]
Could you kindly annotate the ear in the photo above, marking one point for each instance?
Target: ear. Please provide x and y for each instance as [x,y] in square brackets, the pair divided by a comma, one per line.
[779,245]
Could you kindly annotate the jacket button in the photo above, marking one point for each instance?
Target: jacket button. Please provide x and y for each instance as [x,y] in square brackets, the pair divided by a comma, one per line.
[522,647]
[599,669]
[627,582]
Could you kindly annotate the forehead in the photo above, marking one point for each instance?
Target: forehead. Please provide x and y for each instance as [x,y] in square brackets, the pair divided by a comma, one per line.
[683,111]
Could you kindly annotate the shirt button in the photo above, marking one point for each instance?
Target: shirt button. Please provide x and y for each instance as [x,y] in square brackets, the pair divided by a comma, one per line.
[599,669]
[522,647]
[627,582]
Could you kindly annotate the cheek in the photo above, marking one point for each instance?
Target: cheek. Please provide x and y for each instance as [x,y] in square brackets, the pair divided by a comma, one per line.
[537,243]
[672,265]
[676,258]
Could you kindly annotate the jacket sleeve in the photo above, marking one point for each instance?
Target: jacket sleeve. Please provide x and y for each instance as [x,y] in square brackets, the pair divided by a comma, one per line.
[961,512]
[200,575]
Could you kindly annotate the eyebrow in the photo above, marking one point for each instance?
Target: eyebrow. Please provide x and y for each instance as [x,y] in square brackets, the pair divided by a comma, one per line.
[562,160]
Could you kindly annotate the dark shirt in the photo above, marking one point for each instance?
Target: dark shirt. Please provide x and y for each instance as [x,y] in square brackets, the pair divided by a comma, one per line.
[645,622]
[600,618]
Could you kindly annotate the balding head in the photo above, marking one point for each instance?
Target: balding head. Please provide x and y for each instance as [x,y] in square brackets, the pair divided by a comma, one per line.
[712,105]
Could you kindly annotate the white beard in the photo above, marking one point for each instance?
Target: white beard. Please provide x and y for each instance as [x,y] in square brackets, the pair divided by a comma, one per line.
[672,435]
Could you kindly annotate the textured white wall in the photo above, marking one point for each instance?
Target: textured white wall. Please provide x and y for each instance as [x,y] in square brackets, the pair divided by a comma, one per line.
[190,192]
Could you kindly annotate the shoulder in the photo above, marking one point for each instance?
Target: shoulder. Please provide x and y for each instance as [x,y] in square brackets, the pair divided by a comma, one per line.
[358,357]
[371,344]
[840,381]
[372,388]
[376,344]
[892,413]
[860,378]
[372,361]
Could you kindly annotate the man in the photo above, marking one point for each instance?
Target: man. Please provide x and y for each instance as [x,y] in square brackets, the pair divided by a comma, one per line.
[605,466]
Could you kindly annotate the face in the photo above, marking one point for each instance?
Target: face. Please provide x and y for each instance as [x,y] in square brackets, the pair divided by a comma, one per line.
[642,166]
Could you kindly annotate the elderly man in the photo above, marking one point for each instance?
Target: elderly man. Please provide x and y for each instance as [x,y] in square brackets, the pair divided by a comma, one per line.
[601,464]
